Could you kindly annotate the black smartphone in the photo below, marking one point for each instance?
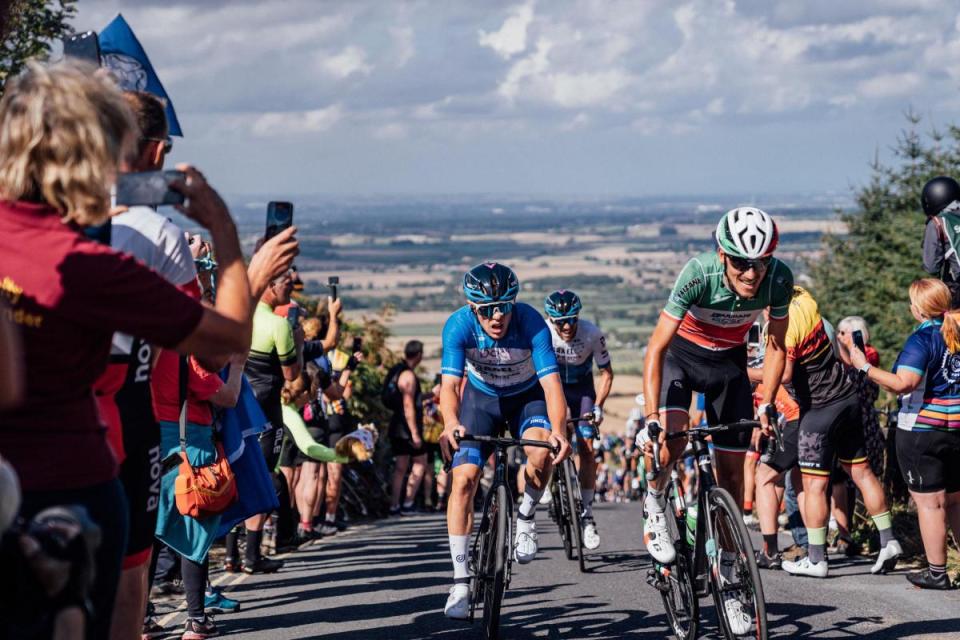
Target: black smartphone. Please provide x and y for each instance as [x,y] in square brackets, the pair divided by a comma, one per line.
[83,46]
[279,217]
[333,282]
[99,233]
[357,344]
[293,315]
[149,188]
[858,340]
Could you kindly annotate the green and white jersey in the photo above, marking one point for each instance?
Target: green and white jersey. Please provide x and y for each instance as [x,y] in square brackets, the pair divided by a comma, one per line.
[714,317]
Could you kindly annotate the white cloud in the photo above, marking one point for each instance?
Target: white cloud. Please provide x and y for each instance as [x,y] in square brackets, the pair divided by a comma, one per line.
[511,38]
[890,85]
[296,122]
[390,131]
[577,90]
[403,44]
[350,60]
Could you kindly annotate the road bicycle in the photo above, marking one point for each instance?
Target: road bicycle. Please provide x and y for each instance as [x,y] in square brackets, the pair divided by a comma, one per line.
[566,506]
[713,550]
[491,555]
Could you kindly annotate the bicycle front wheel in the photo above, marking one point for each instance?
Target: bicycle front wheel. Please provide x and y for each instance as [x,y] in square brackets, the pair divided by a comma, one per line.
[734,577]
[574,506]
[497,559]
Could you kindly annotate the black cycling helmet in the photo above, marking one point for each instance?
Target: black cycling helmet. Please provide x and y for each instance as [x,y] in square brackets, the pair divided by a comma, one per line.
[562,304]
[938,194]
[490,282]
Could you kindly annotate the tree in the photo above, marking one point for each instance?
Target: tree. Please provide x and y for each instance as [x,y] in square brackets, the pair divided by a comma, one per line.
[28,29]
[868,271]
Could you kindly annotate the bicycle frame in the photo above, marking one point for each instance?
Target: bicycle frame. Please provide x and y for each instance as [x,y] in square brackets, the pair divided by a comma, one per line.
[499,479]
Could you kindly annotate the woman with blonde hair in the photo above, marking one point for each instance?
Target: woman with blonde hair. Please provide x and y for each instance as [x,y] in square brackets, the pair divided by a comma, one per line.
[927,378]
[64,131]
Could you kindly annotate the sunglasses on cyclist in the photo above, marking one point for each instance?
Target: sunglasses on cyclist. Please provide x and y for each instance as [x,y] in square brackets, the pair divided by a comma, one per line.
[566,320]
[490,309]
[745,264]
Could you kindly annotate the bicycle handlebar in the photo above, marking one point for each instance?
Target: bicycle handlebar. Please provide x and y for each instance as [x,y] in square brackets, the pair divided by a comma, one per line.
[587,417]
[505,442]
[742,425]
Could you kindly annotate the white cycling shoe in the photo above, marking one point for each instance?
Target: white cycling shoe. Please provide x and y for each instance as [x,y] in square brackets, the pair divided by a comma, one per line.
[656,537]
[546,497]
[738,618]
[525,545]
[803,567]
[458,602]
[591,538]
[887,558]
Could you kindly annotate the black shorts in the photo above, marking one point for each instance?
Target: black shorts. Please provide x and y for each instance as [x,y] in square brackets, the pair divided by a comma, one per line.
[404,447]
[784,460]
[721,376]
[834,431]
[580,400]
[140,476]
[271,441]
[929,460]
[486,415]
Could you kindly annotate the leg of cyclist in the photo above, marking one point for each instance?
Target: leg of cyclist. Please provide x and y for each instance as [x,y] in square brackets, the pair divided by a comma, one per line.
[527,417]
[728,401]
[770,474]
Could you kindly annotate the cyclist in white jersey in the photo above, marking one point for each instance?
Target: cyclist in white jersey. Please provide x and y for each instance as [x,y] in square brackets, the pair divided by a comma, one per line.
[578,344]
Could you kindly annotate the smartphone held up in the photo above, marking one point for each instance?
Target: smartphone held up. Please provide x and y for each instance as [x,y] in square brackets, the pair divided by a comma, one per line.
[83,46]
[279,217]
[149,188]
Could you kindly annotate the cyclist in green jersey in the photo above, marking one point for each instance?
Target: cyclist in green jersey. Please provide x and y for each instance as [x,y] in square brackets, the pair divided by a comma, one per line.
[699,345]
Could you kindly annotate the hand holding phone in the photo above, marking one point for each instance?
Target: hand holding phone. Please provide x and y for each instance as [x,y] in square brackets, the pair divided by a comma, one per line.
[858,341]
[333,282]
[149,188]
[357,345]
[279,217]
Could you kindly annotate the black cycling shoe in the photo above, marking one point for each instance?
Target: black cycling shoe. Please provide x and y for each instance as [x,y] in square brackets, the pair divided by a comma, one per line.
[773,562]
[924,580]
[263,565]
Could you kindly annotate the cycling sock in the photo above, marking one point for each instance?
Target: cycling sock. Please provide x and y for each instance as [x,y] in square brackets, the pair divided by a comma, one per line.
[458,553]
[747,507]
[884,526]
[936,570]
[587,495]
[528,505]
[252,552]
[771,544]
[654,502]
[818,544]
[330,518]
[306,525]
[233,546]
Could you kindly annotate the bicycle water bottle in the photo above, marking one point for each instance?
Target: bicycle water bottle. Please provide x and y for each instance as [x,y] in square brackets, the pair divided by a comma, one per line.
[691,520]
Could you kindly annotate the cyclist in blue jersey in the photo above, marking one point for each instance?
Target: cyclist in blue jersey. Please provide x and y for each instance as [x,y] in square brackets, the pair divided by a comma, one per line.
[504,349]
[578,344]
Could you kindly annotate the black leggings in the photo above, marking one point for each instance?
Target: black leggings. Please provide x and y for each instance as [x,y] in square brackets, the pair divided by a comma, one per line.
[195,585]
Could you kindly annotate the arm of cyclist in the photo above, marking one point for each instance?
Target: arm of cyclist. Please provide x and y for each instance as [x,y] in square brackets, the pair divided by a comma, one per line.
[774,364]
[407,385]
[557,413]
[653,363]
[603,392]
[450,410]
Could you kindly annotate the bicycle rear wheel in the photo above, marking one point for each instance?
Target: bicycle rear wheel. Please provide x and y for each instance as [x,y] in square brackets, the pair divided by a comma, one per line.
[734,577]
[497,558]
[574,506]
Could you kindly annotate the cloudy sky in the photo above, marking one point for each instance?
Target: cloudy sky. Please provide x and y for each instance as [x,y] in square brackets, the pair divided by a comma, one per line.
[555,97]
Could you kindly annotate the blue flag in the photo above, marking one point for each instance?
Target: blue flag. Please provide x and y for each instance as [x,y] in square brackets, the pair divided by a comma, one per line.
[121,52]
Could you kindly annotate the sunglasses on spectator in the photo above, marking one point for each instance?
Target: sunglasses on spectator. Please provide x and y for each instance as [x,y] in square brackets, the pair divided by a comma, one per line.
[566,320]
[744,264]
[167,144]
[490,309]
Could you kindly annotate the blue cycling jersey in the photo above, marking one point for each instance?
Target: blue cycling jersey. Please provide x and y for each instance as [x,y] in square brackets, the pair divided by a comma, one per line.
[502,367]
[935,403]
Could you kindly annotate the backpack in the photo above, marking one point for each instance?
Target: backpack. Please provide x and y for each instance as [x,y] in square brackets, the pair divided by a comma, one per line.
[390,394]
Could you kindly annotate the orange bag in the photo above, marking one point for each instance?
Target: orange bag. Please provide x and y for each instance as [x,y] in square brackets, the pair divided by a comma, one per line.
[201,491]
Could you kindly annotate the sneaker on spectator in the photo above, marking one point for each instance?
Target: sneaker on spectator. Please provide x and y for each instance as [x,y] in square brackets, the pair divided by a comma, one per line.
[167,589]
[152,629]
[199,629]
[329,528]
[232,565]
[216,602]
[263,565]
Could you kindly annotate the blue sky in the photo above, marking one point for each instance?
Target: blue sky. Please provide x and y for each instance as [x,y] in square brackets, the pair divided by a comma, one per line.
[579,97]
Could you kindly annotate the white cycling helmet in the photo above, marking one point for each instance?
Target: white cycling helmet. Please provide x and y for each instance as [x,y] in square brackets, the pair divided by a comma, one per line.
[747,232]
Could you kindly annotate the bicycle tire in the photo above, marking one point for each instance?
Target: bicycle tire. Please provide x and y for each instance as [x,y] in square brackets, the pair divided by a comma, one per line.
[497,561]
[726,517]
[681,603]
[574,506]
[563,495]
[479,553]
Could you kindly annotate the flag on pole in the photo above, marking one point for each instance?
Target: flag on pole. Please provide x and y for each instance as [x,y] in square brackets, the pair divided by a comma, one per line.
[122,53]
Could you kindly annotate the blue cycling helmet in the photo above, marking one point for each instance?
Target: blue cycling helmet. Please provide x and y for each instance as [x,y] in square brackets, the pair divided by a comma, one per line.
[562,304]
[490,282]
